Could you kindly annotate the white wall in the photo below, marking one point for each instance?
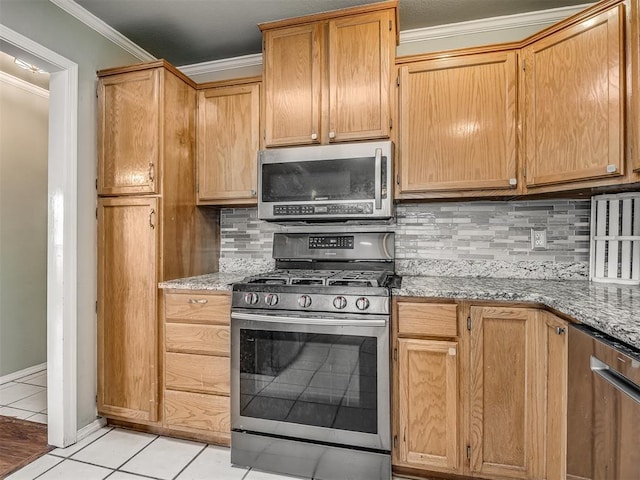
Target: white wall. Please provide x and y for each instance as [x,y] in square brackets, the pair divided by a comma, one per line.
[24,123]
[48,25]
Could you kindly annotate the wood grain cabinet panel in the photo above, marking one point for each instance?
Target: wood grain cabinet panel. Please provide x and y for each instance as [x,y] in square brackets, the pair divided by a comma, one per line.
[506,393]
[207,413]
[573,112]
[228,144]
[197,373]
[197,308]
[458,119]
[200,339]
[428,416]
[427,319]
[129,133]
[329,79]
[127,322]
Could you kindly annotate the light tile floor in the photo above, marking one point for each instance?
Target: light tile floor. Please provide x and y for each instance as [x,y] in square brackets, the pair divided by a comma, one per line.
[118,454]
[115,453]
[25,398]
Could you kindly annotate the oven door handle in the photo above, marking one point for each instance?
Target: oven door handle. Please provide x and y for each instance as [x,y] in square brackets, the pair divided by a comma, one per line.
[378,179]
[339,322]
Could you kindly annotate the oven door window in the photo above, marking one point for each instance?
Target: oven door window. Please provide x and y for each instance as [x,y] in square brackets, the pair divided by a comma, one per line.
[310,379]
[318,180]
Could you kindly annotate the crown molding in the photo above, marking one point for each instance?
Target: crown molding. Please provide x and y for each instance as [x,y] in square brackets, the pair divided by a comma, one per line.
[492,24]
[86,17]
[23,84]
[222,65]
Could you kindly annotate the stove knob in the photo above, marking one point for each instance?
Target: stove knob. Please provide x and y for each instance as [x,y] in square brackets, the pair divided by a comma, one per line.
[304,301]
[362,303]
[340,302]
[251,298]
[271,299]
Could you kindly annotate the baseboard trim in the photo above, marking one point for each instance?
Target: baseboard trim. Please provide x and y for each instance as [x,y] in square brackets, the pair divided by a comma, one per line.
[23,373]
[94,426]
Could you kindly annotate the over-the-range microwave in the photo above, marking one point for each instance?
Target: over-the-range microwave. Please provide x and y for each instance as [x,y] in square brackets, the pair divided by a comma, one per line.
[326,182]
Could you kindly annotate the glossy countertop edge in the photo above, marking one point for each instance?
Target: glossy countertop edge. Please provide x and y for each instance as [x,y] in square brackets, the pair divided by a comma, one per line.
[611,308]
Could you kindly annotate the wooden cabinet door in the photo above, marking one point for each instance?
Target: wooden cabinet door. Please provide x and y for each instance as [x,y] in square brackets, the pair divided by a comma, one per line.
[129,133]
[574,102]
[127,297]
[555,340]
[293,69]
[361,53]
[428,404]
[505,393]
[228,143]
[458,123]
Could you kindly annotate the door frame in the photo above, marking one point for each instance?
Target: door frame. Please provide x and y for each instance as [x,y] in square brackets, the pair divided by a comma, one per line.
[62,193]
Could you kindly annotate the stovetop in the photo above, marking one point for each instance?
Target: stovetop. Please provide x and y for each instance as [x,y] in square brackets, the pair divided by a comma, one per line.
[344,278]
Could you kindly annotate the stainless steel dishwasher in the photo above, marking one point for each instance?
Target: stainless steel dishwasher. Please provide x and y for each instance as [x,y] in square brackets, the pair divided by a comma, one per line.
[603,421]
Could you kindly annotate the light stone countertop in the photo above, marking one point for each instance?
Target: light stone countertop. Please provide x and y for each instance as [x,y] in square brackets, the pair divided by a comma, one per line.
[611,308]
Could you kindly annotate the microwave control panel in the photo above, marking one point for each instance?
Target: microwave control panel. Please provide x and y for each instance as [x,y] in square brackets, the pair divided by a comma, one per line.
[324,209]
[334,241]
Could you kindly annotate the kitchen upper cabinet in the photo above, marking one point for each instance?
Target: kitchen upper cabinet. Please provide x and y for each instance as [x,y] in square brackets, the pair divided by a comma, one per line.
[228,141]
[506,393]
[426,373]
[458,125]
[129,132]
[574,103]
[127,322]
[327,77]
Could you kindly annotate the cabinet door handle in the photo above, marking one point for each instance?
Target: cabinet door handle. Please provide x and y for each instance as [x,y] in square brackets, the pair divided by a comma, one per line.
[198,300]
[314,136]
[332,135]
[253,193]
[152,172]
[561,330]
[151,214]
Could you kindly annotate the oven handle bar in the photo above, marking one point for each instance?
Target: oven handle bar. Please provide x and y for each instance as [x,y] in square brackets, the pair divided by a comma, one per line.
[614,378]
[309,321]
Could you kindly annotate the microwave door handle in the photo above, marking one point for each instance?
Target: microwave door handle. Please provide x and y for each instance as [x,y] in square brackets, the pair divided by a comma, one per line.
[378,179]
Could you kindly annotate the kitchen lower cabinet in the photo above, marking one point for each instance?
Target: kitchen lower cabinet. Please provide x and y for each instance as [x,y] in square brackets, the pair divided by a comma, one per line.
[197,365]
[127,322]
[506,393]
[478,390]
[426,376]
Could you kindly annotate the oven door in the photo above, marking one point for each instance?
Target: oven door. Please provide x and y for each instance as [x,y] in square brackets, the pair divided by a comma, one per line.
[323,379]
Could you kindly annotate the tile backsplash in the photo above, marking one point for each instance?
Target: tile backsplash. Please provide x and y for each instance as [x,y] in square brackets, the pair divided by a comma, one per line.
[477,239]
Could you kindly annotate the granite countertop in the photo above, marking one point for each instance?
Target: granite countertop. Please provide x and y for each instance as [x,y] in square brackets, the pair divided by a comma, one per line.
[611,308]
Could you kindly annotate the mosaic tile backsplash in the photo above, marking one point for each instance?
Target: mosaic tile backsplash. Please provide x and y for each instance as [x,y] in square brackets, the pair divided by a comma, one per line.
[468,239]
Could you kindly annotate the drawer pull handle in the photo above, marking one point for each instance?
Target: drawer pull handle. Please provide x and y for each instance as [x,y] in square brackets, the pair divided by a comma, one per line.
[198,300]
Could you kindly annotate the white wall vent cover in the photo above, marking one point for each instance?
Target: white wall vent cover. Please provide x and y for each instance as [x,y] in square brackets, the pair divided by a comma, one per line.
[615,238]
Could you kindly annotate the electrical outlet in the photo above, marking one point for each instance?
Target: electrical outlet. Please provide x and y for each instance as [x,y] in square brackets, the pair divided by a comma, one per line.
[538,239]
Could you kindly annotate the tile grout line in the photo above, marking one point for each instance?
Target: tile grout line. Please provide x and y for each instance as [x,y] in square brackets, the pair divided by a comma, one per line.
[136,454]
[90,443]
[206,445]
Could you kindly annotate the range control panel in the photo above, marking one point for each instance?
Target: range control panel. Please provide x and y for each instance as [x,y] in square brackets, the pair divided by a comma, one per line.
[334,241]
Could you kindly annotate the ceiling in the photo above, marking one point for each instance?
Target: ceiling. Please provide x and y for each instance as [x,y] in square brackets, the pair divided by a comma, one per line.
[186,32]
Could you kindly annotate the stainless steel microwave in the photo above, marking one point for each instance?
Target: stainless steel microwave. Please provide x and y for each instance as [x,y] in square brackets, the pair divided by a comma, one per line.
[326,182]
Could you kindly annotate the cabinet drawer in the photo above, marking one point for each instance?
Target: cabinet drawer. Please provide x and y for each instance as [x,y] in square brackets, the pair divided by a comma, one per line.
[197,373]
[196,410]
[194,338]
[198,308]
[432,319]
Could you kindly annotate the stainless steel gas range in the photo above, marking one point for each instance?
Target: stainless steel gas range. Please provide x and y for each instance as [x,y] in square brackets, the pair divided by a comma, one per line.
[310,359]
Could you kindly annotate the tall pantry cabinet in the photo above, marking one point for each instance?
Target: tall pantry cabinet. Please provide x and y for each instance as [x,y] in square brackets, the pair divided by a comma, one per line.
[149,228]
